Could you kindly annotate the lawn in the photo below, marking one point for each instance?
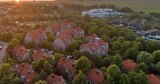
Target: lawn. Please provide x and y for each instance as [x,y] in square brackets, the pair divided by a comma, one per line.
[137,5]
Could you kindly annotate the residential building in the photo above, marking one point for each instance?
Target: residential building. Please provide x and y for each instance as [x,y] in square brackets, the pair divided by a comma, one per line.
[129,65]
[153,79]
[21,53]
[66,66]
[37,55]
[95,76]
[55,79]
[36,36]
[64,39]
[94,46]
[25,73]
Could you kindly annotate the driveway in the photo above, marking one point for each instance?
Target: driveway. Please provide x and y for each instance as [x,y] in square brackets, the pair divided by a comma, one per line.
[3,51]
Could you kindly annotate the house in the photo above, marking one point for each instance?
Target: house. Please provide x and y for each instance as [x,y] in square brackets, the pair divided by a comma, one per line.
[64,39]
[59,27]
[25,73]
[100,13]
[95,45]
[66,66]
[129,65]
[153,79]
[38,54]
[36,36]
[55,79]
[95,76]
[21,53]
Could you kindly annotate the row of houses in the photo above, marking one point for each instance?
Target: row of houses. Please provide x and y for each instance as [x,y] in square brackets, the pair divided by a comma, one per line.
[64,34]
[66,66]
[23,54]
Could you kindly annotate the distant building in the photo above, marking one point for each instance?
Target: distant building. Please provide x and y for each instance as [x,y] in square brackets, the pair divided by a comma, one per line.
[129,65]
[95,76]
[37,36]
[21,53]
[95,45]
[64,39]
[55,79]
[153,79]
[100,13]
[66,66]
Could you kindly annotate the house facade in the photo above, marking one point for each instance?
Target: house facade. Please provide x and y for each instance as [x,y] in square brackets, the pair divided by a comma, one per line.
[66,66]
[95,45]
[64,39]
[21,53]
[36,36]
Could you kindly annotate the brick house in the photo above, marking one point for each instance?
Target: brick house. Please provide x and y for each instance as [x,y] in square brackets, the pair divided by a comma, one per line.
[59,27]
[64,39]
[95,45]
[55,79]
[153,79]
[129,65]
[25,73]
[66,66]
[37,55]
[37,36]
[21,53]
[95,76]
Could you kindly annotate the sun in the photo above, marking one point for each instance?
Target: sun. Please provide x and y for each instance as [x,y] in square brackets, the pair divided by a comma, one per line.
[17,0]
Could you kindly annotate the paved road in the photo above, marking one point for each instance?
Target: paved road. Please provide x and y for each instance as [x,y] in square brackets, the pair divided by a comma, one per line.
[3,50]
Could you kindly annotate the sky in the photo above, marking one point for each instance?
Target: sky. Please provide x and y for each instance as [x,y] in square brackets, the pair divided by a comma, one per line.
[27,0]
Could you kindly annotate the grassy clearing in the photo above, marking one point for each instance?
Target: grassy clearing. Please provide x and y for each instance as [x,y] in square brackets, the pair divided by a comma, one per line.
[137,5]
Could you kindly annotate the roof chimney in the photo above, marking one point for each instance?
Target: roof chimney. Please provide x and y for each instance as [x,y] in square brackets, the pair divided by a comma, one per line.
[22,64]
[52,75]
[72,65]
[97,72]
[29,71]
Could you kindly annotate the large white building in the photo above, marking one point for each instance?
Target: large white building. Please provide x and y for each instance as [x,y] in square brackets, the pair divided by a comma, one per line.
[100,13]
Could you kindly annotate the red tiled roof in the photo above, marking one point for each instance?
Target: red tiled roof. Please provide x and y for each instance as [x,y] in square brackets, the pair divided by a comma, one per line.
[21,68]
[54,79]
[66,63]
[129,65]
[91,38]
[153,79]
[38,55]
[21,50]
[95,76]
[37,33]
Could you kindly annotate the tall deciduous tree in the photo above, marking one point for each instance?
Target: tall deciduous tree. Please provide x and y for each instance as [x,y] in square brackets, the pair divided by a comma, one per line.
[80,79]
[83,64]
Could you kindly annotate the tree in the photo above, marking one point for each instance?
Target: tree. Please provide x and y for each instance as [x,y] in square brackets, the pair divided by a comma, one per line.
[117,60]
[19,36]
[142,66]
[13,43]
[41,82]
[158,66]
[124,79]
[114,71]
[80,79]
[47,67]
[57,57]
[131,53]
[6,36]
[7,75]
[109,80]
[145,57]
[152,45]
[83,64]
[116,45]
[126,10]
[106,38]
[156,55]
[107,61]
[138,78]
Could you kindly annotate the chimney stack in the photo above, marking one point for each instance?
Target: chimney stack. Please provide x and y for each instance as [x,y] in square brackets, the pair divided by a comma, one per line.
[52,75]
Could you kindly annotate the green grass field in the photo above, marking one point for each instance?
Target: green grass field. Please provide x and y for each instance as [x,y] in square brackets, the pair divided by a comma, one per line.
[137,5]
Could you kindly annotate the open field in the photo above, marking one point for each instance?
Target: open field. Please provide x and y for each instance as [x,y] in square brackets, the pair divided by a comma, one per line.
[137,5]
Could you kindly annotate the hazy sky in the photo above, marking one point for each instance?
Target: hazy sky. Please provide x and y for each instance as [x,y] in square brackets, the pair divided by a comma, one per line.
[27,0]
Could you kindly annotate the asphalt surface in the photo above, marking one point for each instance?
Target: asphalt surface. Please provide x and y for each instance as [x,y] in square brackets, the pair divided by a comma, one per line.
[3,50]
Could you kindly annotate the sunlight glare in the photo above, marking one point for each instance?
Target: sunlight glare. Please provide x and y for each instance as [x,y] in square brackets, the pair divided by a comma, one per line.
[17,0]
